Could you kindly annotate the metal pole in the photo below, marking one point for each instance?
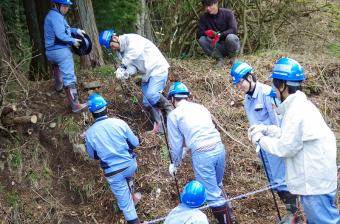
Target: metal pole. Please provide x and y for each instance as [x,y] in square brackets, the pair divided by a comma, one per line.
[167,144]
[271,189]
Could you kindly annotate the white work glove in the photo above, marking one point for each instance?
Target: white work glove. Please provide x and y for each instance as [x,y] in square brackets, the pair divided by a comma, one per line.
[255,137]
[121,73]
[185,151]
[172,169]
[256,128]
[80,32]
[76,43]
[273,131]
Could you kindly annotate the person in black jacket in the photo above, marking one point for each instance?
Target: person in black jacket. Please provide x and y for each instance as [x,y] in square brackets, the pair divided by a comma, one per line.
[217,32]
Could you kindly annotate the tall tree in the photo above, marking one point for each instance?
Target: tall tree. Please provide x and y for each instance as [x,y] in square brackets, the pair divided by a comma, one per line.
[34,18]
[143,21]
[5,55]
[88,23]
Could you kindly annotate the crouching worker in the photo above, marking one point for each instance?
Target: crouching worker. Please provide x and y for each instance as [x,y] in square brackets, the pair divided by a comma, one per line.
[138,54]
[305,142]
[187,212]
[111,141]
[191,125]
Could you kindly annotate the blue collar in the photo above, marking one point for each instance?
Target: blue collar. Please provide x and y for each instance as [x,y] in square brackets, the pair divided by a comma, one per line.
[101,118]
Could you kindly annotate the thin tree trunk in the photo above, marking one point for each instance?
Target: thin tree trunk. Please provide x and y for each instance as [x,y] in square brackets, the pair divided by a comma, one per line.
[143,22]
[5,55]
[38,67]
[88,23]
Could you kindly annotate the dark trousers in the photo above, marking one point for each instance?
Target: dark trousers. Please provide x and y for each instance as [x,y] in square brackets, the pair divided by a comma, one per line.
[224,48]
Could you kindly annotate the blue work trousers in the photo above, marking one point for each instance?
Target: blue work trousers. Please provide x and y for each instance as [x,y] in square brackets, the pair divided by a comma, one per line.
[320,209]
[120,188]
[209,170]
[153,88]
[276,170]
[64,59]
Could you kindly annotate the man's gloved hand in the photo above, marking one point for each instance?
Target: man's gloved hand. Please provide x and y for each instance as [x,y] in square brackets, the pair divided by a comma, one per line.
[121,73]
[172,169]
[273,131]
[76,42]
[255,137]
[256,128]
[80,32]
[215,40]
[210,33]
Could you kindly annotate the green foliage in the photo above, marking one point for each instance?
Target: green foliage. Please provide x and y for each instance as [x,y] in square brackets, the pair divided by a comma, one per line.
[14,159]
[71,129]
[164,153]
[15,22]
[13,199]
[120,15]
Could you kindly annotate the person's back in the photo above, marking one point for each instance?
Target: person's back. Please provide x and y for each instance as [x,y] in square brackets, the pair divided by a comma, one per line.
[195,122]
[182,214]
[141,53]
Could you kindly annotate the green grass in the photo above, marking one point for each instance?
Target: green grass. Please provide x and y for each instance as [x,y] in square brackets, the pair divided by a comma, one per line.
[13,199]
[71,129]
[164,153]
[334,49]
[14,159]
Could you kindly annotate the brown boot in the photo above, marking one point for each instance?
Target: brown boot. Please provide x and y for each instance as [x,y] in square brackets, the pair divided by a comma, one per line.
[58,81]
[223,215]
[72,95]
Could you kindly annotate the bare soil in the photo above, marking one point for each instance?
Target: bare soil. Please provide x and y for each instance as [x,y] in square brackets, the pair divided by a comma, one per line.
[44,180]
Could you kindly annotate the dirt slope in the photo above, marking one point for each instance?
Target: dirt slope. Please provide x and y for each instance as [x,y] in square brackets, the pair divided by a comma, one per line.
[44,179]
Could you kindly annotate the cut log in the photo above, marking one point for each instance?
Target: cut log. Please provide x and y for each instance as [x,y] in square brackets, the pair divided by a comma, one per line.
[20,120]
[91,85]
[8,109]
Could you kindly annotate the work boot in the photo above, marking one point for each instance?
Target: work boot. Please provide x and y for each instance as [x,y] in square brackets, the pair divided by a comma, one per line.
[223,215]
[58,80]
[135,221]
[218,56]
[165,105]
[156,116]
[291,203]
[72,95]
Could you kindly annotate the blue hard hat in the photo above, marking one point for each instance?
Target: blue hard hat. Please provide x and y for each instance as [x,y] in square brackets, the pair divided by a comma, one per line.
[64,2]
[288,69]
[193,194]
[96,102]
[105,38]
[178,89]
[239,70]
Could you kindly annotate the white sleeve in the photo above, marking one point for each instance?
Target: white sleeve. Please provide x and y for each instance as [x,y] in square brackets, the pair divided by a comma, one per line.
[288,144]
[133,51]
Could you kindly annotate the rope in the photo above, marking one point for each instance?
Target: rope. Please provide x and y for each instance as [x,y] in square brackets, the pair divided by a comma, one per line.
[241,196]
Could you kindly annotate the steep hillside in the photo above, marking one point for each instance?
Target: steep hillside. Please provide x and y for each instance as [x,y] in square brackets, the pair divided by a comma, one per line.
[46,178]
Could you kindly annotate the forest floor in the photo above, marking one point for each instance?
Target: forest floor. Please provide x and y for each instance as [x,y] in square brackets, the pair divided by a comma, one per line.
[45,177]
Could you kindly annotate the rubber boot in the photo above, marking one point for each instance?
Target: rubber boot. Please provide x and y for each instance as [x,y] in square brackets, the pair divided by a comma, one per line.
[136,196]
[72,95]
[58,81]
[135,221]
[156,116]
[165,105]
[223,214]
[291,204]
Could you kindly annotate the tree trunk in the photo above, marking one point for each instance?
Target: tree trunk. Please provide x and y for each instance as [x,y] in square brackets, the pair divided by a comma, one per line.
[39,65]
[88,23]
[5,55]
[143,22]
